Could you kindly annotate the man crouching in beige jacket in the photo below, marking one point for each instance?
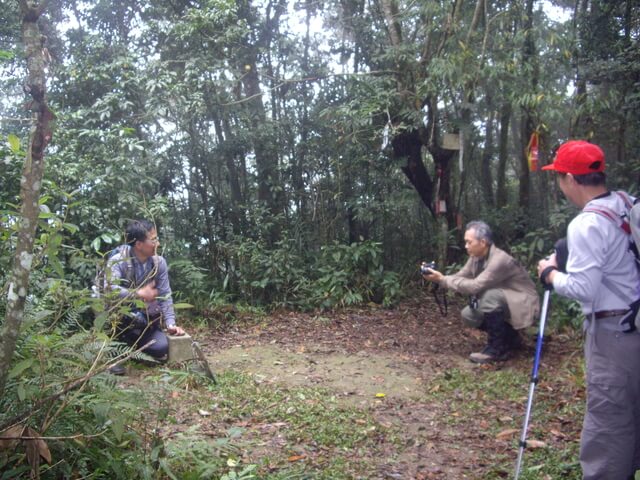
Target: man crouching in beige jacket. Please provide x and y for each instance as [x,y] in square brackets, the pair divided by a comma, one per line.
[503,296]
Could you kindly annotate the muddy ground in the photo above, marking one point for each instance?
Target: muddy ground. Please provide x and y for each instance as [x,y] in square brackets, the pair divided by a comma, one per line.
[360,354]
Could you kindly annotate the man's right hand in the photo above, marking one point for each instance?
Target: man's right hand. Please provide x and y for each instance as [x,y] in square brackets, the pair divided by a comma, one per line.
[148,293]
[547,268]
[433,276]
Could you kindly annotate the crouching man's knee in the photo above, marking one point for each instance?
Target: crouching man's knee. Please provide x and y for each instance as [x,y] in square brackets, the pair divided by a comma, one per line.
[471,317]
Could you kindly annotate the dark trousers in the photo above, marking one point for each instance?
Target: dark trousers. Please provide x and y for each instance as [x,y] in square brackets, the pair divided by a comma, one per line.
[138,336]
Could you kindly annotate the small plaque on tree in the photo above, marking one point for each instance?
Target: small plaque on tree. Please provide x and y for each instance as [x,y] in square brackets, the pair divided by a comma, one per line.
[451,141]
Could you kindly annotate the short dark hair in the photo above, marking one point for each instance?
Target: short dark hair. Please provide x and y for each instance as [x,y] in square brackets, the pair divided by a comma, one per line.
[137,231]
[594,179]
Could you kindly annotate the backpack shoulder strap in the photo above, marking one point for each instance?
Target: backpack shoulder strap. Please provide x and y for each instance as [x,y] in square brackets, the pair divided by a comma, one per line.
[626,198]
[621,221]
[125,253]
[156,264]
[608,213]
[634,222]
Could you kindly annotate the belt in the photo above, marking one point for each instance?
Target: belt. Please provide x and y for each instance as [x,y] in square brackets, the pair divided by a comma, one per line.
[610,313]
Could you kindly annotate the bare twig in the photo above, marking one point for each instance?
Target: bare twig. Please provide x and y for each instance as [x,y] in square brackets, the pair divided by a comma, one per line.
[68,437]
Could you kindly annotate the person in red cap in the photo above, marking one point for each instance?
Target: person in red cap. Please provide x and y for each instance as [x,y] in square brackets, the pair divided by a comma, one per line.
[601,274]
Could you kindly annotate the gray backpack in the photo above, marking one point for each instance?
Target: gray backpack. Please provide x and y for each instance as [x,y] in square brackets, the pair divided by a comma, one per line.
[629,222]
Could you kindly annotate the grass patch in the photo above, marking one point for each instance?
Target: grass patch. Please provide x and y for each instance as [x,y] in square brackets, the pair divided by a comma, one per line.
[468,392]
[551,463]
[265,430]
[487,399]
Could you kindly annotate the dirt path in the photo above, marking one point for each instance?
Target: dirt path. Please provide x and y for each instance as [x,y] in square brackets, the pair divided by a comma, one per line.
[360,355]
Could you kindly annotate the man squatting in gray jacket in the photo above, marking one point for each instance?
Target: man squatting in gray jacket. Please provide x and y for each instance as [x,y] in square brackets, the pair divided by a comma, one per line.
[504,298]
[139,274]
[600,270]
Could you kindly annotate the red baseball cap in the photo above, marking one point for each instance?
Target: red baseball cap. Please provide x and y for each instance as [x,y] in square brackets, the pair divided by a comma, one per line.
[578,158]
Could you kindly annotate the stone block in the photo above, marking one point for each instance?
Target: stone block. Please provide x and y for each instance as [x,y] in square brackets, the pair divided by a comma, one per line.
[180,348]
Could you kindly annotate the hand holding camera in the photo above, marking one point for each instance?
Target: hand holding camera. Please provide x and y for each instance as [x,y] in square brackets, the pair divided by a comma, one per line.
[427,268]
[429,272]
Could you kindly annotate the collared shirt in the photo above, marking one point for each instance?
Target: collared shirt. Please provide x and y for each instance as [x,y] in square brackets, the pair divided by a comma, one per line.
[143,273]
[599,248]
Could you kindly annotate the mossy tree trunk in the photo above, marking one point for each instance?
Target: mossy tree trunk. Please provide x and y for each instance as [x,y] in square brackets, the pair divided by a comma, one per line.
[30,182]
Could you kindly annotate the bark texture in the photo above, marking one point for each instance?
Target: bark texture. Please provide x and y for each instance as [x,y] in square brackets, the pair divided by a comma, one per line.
[30,182]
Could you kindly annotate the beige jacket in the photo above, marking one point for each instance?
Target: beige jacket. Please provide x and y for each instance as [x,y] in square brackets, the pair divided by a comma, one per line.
[501,271]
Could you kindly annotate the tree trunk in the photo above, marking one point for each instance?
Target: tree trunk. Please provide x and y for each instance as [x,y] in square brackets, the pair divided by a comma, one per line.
[265,150]
[527,126]
[230,151]
[486,179]
[503,154]
[408,145]
[30,183]
[390,11]
[580,24]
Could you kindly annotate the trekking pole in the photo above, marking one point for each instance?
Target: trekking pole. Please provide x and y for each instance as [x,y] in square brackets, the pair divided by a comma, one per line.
[534,377]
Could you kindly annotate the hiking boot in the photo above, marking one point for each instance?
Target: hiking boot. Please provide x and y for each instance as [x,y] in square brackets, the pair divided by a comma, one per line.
[118,370]
[515,340]
[499,339]
[488,356]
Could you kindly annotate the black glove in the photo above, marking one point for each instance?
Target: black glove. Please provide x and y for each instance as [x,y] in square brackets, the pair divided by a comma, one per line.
[544,277]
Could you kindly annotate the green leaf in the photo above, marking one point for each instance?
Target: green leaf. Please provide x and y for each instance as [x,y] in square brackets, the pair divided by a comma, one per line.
[42,314]
[117,425]
[70,227]
[22,394]
[6,55]
[100,321]
[21,367]
[57,266]
[14,143]
[96,244]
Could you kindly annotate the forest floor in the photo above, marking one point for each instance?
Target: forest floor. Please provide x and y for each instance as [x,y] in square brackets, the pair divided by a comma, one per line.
[428,411]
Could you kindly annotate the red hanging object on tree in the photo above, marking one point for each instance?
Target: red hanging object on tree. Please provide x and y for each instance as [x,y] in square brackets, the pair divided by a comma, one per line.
[532,152]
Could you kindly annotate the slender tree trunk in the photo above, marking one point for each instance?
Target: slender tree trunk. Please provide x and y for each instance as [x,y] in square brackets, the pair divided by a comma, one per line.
[266,159]
[30,183]
[627,88]
[486,180]
[503,155]
[300,153]
[527,126]
[579,25]
[390,10]
[263,136]
[230,152]
[265,149]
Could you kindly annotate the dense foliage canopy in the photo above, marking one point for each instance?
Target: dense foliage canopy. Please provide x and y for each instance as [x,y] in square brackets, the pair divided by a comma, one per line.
[247,129]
